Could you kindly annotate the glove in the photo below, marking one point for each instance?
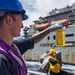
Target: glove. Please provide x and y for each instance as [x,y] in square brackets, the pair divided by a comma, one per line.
[55,27]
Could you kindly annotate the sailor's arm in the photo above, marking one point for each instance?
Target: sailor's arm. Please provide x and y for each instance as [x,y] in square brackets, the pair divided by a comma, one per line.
[39,36]
[53,62]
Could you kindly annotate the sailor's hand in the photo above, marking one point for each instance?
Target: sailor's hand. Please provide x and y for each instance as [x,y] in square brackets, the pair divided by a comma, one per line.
[55,27]
[58,61]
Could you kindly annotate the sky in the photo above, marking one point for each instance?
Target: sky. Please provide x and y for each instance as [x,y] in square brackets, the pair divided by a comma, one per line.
[36,8]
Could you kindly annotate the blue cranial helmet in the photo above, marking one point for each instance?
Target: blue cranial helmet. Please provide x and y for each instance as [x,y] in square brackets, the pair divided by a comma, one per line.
[13,5]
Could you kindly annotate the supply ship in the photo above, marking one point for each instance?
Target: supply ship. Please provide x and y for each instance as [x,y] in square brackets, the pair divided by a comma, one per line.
[67,51]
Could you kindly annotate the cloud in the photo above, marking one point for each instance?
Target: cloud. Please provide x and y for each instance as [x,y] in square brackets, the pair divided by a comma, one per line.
[37,8]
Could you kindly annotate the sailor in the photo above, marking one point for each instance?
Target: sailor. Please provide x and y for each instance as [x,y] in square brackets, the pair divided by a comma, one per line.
[11,16]
[54,68]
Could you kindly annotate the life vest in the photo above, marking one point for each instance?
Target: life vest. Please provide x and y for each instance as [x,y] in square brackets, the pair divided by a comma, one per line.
[15,58]
[54,68]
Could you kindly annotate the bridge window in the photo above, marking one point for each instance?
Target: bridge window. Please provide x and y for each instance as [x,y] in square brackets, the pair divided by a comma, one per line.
[69,35]
[48,38]
[54,37]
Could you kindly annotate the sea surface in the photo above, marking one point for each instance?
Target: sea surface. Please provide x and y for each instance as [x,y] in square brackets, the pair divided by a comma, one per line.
[35,66]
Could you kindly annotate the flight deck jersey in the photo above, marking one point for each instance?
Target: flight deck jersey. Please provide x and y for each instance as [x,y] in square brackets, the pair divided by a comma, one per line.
[10,65]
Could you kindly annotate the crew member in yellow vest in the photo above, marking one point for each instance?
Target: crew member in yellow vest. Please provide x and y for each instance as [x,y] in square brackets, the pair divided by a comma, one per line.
[54,68]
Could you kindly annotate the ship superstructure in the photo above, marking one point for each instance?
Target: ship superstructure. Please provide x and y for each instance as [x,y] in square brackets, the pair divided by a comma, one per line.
[68,51]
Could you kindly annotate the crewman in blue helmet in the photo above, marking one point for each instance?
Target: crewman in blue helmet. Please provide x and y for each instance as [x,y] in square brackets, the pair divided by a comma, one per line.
[11,16]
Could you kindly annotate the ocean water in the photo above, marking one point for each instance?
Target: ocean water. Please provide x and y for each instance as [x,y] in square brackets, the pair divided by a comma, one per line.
[35,66]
